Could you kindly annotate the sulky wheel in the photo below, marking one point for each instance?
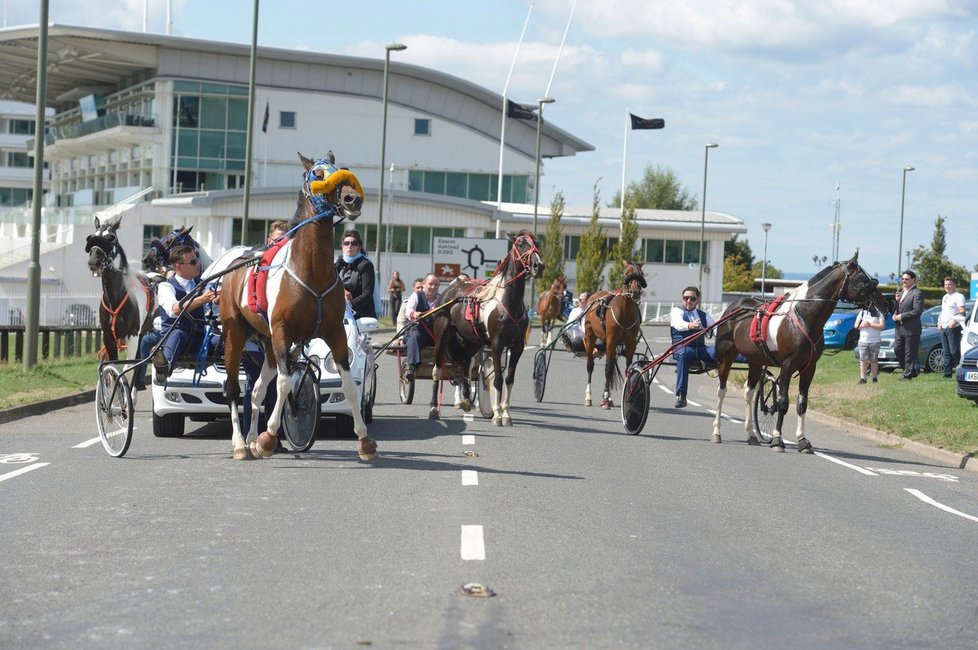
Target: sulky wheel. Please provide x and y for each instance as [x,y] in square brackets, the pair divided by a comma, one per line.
[300,417]
[635,399]
[113,411]
[765,407]
[539,374]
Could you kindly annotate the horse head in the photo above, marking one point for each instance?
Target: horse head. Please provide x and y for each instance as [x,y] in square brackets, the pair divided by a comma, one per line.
[559,286]
[525,254]
[633,279]
[331,188]
[157,258]
[860,289]
[102,246]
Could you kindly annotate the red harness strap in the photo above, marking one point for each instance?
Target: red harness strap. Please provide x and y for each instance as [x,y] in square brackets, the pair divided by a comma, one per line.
[258,278]
[762,317]
[120,345]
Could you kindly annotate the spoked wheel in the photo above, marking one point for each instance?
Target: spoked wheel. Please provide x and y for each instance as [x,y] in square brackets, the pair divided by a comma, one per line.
[484,386]
[765,407]
[539,374]
[405,390]
[635,399]
[300,417]
[113,411]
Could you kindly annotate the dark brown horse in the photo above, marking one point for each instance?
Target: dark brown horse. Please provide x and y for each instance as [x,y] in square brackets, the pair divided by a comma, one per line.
[478,314]
[157,258]
[793,340]
[305,301]
[128,303]
[548,308]
[615,318]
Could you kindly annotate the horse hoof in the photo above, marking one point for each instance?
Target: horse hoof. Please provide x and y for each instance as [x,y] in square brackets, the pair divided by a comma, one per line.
[258,451]
[433,413]
[367,448]
[715,438]
[805,447]
[777,445]
[506,421]
[587,402]
[753,442]
[241,453]
[497,421]
[466,405]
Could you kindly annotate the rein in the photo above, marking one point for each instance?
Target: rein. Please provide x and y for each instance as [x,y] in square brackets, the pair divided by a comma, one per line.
[328,212]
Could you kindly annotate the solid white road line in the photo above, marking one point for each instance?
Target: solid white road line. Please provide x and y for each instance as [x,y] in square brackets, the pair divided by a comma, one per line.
[473,547]
[468,439]
[861,470]
[926,499]
[22,470]
[87,443]
[468,417]
[470,477]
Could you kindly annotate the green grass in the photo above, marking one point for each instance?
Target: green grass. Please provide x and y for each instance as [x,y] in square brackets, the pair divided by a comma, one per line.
[47,380]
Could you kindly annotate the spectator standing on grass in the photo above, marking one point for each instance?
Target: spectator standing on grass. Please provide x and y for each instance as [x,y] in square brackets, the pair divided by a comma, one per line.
[949,325]
[906,314]
[870,327]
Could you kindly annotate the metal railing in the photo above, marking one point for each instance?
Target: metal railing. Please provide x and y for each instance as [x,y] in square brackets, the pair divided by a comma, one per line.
[61,342]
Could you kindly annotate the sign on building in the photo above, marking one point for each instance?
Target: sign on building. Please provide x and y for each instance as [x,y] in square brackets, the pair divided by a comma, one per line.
[475,257]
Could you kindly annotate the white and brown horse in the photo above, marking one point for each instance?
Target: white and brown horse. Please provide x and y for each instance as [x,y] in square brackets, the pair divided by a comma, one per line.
[476,314]
[790,338]
[613,317]
[549,306]
[305,301]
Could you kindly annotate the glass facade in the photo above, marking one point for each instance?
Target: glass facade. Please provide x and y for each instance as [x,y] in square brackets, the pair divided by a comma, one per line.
[478,187]
[210,123]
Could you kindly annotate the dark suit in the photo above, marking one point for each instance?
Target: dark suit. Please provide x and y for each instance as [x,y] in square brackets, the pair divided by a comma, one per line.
[909,307]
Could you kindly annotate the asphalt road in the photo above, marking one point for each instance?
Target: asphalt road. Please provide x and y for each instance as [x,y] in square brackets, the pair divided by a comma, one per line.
[588,537]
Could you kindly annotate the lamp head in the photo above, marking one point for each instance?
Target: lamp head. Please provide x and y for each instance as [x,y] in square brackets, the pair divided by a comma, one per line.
[395,47]
[546,100]
[908,168]
[712,145]
[766,226]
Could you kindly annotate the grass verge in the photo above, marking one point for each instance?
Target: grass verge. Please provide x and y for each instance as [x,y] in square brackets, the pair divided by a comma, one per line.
[47,380]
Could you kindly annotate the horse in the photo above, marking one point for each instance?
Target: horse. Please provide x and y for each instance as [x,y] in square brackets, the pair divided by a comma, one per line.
[157,258]
[471,315]
[549,306]
[128,301]
[789,338]
[305,301]
[615,318]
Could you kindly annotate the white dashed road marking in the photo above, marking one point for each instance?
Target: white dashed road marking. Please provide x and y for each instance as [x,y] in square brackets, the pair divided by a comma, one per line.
[926,499]
[845,464]
[468,439]
[470,477]
[87,443]
[473,547]
[22,470]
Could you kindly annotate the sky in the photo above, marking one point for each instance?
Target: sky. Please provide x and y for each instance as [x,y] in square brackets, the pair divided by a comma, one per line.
[812,104]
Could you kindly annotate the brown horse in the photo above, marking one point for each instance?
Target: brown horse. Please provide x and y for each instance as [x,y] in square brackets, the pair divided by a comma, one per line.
[615,318]
[128,303]
[793,340]
[490,314]
[548,308]
[305,301]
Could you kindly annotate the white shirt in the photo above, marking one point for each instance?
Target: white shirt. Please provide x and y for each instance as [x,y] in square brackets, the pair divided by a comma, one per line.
[952,304]
[166,295]
[412,303]
[869,334]
[677,322]
[577,329]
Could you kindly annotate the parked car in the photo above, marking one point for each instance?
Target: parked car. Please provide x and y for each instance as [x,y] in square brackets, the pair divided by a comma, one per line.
[967,375]
[969,337]
[180,398]
[930,354]
[839,330]
[80,315]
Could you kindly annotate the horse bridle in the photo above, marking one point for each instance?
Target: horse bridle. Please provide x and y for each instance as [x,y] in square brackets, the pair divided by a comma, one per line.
[109,248]
[523,260]
[863,288]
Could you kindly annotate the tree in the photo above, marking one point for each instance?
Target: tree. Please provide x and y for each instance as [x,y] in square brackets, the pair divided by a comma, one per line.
[932,265]
[553,249]
[739,250]
[659,189]
[591,255]
[624,248]
[771,272]
[738,260]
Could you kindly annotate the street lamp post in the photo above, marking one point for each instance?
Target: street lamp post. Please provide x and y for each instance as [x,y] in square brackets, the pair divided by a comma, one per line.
[393,47]
[536,190]
[766,227]
[903,196]
[706,162]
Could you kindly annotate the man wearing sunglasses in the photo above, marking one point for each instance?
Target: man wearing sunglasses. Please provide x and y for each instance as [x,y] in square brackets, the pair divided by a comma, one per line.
[909,306]
[185,332]
[684,321]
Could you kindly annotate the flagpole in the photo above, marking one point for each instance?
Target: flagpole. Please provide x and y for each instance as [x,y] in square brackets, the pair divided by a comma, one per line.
[502,131]
[624,154]
[553,72]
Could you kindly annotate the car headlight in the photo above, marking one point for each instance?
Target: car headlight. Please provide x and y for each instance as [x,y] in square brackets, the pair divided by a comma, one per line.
[833,323]
[329,365]
[972,338]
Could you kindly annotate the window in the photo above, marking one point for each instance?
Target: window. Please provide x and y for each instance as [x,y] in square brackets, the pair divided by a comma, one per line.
[455,185]
[434,182]
[188,111]
[422,126]
[21,127]
[286,119]
[572,244]
[691,252]
[398,242]
[674,252]
[479,187]
[655,250]
[420,240]
[18,159]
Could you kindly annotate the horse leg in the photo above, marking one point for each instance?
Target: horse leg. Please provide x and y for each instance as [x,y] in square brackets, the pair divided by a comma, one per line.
[750,387]
[723,371]
[497,383]
[264,444]
[233,347]
[258,392]
[804,445]
[515,352]
[436,372]
[589,345]
[610,368]
[366,447]
[777,444]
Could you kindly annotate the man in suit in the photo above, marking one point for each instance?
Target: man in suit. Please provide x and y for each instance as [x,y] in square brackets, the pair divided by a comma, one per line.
[909,306]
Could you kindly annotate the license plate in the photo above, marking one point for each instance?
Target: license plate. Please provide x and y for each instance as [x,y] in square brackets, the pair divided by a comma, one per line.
[971,376]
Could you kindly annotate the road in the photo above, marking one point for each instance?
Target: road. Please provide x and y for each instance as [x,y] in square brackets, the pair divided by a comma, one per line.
[589,538]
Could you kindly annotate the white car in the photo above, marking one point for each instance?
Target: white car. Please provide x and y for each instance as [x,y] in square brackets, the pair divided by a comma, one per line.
[969,337]
[200,399]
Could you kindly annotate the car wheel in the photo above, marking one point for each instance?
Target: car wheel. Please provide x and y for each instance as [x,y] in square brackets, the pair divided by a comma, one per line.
[852,340]
[935,359]
[168,426]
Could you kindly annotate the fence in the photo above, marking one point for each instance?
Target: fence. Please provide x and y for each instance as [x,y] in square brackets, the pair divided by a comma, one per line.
[54,310]
[60,342]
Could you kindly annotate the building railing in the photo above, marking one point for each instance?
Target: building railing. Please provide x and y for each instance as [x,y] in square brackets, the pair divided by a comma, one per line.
[79,129]
[63,342]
